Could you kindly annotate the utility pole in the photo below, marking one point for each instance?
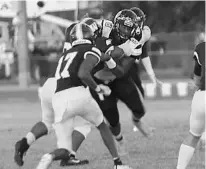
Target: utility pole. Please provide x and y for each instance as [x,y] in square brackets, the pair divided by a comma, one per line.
[22,46]
[76,12]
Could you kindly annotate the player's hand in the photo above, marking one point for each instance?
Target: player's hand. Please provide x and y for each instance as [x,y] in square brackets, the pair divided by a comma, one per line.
[157,82]
[192,85]
[102,91]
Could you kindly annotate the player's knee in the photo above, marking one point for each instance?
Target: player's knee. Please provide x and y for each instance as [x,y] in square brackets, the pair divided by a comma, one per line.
[197,125]
[196,129]
[84,129]
[113,118]
[137,109]
[114,123]
[137,117]
[138,114]
[116,130]
[99,120]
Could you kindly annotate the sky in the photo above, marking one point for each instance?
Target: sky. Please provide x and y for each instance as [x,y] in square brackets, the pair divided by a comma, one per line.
[32,8]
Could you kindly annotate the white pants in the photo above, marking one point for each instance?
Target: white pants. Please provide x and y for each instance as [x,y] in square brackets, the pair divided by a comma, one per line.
[197,117]
[68,104]
[47,91]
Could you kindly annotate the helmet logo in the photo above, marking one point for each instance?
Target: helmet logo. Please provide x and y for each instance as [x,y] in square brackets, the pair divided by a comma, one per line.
[93,27]
[127,21]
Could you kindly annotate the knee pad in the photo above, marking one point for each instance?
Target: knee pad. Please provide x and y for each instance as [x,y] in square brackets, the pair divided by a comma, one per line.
[84,129]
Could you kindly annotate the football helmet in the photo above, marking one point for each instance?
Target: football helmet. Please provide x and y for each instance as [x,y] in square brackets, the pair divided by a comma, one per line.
[96,28]
[81,33]
[141,17]
[125,22]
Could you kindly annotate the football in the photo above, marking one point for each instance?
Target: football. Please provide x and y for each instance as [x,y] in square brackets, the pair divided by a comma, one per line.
[117,53]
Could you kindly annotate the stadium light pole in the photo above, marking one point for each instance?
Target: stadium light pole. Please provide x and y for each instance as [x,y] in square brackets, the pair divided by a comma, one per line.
[76,12]
[22,46]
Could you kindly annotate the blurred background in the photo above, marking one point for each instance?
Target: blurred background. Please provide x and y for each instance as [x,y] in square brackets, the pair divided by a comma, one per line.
[177,26]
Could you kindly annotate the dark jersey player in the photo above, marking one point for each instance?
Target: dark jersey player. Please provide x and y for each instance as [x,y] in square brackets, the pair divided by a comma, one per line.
[129,35]
[74,74]
[197,117]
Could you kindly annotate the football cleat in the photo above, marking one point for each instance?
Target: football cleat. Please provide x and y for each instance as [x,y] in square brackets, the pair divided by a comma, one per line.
[73,161]
[21,147]
[45,161]
[122,167]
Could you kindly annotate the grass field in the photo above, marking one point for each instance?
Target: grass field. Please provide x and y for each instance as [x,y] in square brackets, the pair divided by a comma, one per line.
[170,118]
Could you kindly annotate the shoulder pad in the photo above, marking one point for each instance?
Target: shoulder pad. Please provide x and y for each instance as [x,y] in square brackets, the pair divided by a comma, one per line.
[146,34]
[106,28]
[96,50]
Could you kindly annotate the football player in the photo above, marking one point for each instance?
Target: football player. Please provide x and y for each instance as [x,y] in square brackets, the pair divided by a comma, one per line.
[72,97]
[197,117]
[131,96]
[44,127]
[81,126]
[129,34]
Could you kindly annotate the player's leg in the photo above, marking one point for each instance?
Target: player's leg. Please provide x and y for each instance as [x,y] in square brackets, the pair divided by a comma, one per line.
[93,114]
[81,130]
[135,76]
[132,97]
[40,128]
[111,114]
[202,142]
[63,130]
[197,126]
[64,111]
[110,111]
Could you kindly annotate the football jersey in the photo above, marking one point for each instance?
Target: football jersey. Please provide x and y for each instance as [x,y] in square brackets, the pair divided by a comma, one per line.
[106,28]
[135,47]
[68,65]
[199,56]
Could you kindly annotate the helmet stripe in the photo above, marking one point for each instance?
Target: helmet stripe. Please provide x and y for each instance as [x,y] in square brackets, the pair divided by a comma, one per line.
[79,34]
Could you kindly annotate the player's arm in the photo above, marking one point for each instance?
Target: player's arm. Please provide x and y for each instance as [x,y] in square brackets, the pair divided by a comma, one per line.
[147,63]
[91,59]
[111,54]
[197,69]
[108,53]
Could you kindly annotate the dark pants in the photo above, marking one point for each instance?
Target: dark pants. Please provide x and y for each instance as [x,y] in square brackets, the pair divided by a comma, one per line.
[125,90]
[135,75]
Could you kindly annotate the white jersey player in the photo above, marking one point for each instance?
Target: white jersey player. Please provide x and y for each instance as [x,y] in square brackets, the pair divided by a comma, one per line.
[197,117]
